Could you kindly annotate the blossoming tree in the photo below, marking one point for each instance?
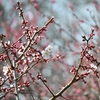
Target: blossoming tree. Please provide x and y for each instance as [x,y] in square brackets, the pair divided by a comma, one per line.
[35,67]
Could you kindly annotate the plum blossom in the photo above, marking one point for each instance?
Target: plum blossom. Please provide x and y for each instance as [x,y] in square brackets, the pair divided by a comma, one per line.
[48,48]
[47,52]
[5,70]
[11,85]
[92,66]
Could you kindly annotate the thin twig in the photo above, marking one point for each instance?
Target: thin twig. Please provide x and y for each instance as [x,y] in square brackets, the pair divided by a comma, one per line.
[31,93]
[15,81]
[3,95]
[47,87]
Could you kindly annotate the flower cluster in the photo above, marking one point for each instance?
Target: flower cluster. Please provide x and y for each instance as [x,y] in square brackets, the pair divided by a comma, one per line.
[47,52]
[7,71]
[21,56]
[85,68]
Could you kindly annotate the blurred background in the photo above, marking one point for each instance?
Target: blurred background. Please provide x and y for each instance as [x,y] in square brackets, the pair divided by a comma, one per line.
[72,20]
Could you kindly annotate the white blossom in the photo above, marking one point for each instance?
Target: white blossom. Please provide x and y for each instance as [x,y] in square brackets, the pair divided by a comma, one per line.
[92,66]
[47,52]
[49,48]
[11,85]
[8,42]
[3,79]
[5,70]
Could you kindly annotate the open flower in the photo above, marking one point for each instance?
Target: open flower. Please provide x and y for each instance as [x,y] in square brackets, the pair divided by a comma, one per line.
[92,67]
[47,52]
[48,48]
[5,70]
